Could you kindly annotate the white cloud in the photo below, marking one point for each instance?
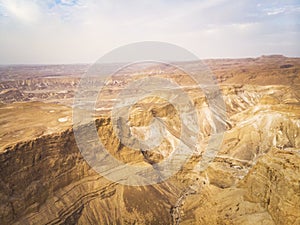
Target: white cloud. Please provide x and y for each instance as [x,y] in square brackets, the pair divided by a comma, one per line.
[22,10]
[68,2]
[275,11]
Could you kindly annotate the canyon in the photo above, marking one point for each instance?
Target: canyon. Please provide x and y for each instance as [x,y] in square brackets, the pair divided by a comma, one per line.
[254,178]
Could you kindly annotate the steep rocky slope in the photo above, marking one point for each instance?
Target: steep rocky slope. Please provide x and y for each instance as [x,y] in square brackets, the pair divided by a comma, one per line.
[47,181]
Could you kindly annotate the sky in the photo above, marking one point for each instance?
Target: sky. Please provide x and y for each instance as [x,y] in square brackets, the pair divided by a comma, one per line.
[81,31]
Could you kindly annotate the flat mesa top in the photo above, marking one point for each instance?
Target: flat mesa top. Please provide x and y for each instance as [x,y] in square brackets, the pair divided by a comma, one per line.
[29,120]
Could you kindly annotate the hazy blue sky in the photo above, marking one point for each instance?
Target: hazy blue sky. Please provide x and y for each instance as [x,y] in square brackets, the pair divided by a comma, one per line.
[71,31]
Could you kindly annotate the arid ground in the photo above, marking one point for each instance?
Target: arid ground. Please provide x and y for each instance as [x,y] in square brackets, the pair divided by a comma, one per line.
[254,178]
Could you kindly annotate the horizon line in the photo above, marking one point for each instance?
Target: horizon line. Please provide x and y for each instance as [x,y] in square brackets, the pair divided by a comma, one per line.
[200,59]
